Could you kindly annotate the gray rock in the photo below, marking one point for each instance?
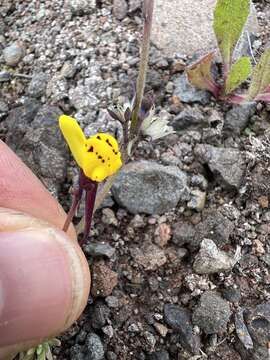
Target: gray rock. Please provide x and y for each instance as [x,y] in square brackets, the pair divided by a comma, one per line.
[99,249]
[179,319]
[159,355]
[17,129]
[253,330]
[111,355]
[108,217]
[41,144]
[112,302]
[149,341]
[99,315]
[266,258]
[214,132]
[151,257]
[238,117]
[120,9]
[37,86]
[248,261]
[215,226]
[212,314]
[173,21]
[232,294]
[81,7]
[197,200]
[211,260]
[242,330]
[147,187]
[226,164]
[260,353]
[260,175]
[200,181]
[188,93]
[154,79]
[5,76]
[258,323]
[3,107]
[134,5]
[184,233]
[13,54]
[81,99]
[189,118]
[80,338]
[76,352]
[68,70]
[94,347]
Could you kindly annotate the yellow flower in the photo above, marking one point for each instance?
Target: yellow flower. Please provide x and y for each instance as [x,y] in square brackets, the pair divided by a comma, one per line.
[98,156]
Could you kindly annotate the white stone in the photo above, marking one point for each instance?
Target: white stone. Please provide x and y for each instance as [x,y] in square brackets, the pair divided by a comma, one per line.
[185,27]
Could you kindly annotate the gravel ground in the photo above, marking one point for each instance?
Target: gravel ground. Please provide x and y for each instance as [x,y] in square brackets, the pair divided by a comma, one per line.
[181,271]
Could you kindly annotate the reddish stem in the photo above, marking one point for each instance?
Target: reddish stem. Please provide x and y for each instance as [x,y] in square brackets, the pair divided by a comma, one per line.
[213,87]
[89,209]
[76,200]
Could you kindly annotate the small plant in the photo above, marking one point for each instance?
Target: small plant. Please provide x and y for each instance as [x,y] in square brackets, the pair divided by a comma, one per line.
[230,17]
[100,157]
[40,352]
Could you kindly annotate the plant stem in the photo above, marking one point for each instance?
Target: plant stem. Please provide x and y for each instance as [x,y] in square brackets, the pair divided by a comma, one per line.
[148,18]
[99,199]
[75,202]
[90,198]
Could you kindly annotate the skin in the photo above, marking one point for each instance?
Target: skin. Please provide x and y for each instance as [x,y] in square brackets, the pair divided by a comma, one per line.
[44,276]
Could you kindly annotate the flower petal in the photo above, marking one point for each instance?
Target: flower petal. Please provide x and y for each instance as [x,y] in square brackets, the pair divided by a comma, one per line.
[74,136]
[102,157]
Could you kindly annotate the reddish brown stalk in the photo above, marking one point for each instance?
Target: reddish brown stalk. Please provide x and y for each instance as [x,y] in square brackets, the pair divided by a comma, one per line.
[76,200]
[90,198]
[90,188]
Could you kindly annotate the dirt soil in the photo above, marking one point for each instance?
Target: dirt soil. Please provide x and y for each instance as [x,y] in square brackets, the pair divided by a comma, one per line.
[154,294]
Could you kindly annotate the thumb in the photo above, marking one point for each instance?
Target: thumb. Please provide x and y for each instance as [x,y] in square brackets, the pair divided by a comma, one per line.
[44,281]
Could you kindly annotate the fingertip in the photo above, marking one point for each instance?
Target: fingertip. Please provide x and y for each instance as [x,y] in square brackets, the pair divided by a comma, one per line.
[45,283]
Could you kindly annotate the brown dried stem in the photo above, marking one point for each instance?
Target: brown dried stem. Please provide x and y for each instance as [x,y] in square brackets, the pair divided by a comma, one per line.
[148,19]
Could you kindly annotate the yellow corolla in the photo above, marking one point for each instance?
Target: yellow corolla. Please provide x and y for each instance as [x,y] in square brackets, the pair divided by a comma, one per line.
[98,156]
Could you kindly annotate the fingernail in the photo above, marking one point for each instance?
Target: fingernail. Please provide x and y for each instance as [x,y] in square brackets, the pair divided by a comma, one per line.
[44,283]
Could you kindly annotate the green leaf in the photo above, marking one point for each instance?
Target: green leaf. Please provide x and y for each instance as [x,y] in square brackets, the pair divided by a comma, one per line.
[39,349]
[239,72]
[199,74]
[230,17]
[260,80]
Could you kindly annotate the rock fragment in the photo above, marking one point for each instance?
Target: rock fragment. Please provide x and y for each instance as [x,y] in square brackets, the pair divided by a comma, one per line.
[212,313]
[179,319]
[147,187]
[211,260]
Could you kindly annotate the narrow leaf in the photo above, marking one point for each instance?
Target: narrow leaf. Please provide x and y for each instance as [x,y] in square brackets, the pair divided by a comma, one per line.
[235,99]
[264,97]
[261,76]
[230,17]
[199,74]
[239,72]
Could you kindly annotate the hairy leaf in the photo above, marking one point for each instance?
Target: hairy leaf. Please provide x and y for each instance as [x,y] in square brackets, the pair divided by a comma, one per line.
[230,17]
[199,74]
[264,97]
[239,72]
[261,76]
[235,99]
